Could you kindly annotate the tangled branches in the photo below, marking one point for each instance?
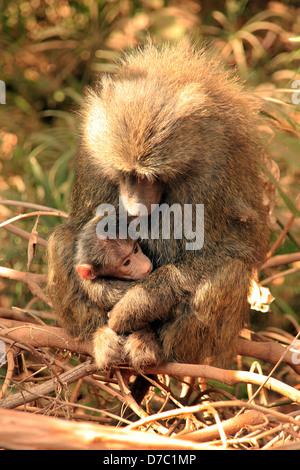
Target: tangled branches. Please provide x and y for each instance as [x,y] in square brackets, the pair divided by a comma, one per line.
[53,397]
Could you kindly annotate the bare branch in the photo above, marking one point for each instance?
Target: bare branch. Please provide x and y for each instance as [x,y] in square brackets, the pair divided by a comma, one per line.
[33,214]
[24,234]
[29,205]
[33,281]
[229,377]
[43,389]
[27,431]
[280,260]
[231,426]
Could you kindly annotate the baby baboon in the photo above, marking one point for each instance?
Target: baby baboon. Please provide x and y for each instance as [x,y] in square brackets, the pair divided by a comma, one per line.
[171,127]
[89,299]
[98,256]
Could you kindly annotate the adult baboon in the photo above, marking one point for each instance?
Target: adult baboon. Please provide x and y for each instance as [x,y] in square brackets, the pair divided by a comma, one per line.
[171,126]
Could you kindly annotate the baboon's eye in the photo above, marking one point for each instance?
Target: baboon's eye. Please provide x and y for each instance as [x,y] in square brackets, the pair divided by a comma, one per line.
[127,263]
[136,249]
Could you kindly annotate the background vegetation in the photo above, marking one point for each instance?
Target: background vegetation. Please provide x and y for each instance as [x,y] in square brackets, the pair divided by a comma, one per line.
[51,49]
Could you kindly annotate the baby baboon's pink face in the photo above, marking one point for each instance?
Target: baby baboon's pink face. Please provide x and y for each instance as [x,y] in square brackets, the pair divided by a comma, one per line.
[135,265]
[128,262]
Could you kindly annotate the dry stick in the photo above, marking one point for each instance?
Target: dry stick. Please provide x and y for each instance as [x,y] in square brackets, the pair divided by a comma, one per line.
[29,205]
[202,407]
[274,368]
[229,377]
[24,234]
[9,372]
[126,392]
[44,336]
[281,274]
[219,425]
[27,431]
[230,426]
[284,232]
[280,260]
[32,214]
[76,392]
[34,318]
[33,281]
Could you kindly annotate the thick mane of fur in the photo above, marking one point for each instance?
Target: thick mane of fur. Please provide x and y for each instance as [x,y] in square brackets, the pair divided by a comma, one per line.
[130,120]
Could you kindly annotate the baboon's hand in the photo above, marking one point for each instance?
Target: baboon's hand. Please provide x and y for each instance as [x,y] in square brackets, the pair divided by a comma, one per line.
[107,346]
[131,312]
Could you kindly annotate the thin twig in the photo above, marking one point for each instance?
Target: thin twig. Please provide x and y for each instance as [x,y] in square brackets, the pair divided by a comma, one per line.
[33,281]
[24,234]
[10,356]
[287,272]
[29,205]
[283,233]
[275,367]
[32,214]
[281,260]
[202,407]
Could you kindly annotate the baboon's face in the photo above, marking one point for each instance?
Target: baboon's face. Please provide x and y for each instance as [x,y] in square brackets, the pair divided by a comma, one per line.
[135,265]
[145,137]
[136,191]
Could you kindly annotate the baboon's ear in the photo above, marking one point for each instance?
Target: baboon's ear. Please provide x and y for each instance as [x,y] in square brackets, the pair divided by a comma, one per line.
[86,271]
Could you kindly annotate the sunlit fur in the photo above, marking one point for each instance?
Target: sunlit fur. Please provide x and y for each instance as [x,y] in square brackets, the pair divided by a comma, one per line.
[130,120]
